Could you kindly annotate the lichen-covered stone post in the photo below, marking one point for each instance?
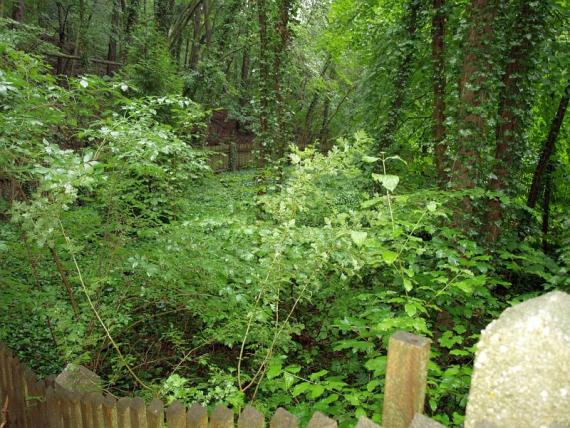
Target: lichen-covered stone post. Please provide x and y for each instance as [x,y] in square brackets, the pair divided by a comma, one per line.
[522,367]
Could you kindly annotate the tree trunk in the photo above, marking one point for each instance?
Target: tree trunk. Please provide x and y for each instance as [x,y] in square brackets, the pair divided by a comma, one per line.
[548,149]
[474,94]
[407,54]
[195,53]
[18,11]
[282,29]
[513,105]
[439,83]
[112,49]
[548,189]
[263,80]
[62,14]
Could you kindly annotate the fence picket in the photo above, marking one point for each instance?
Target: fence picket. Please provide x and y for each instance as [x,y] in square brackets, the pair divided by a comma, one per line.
[283,419]
[176,415]
[54,419]
[364,422]
[251,418]
[222,417]
[138,413]
[155,414]
[319,420]
[124,412]
[96,400]
[197,417]
[110,412]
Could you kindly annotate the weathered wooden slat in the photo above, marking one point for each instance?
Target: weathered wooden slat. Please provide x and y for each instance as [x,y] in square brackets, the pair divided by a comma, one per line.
[110,412]
[53,409]
[40,389]
[18,398]
[3,388]
[75,410]
[30,382]
[96,400]
[64,406]
[406,379]
[155,414]
[283,419]
[320,420]
[251,418]
[138,413]
[9,386]
[222,417]
[364,422]
[176,415]
[124,412]
[197,417]
[86,412]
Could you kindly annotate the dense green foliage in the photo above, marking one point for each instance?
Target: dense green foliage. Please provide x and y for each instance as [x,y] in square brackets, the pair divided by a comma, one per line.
[121,250]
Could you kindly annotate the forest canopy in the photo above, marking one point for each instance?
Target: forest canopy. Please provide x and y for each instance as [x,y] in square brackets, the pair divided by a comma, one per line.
[408,168]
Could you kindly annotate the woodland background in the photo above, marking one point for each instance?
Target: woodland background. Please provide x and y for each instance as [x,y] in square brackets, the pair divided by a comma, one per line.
[412,174]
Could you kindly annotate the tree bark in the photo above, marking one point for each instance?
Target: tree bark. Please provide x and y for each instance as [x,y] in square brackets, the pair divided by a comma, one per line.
[439,83]
[282,29]
[513,104]
[195,53]
[112,49]
[18,11]
[548,190]
[407,49]
[263,80]
[548,149]
[474,94]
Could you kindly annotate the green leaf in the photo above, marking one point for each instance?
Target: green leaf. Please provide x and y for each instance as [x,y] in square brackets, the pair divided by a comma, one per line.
[411,309]
[389,182]
[301,388]
[408,286]
[316,391]
[396,158]
[378,365]
[370,159]
[389,256]
[289,380]
[274,369]
[318,375]
[431,206]
[358,237]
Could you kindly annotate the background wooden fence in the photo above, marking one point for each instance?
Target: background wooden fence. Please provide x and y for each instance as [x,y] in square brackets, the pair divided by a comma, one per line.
[28,402]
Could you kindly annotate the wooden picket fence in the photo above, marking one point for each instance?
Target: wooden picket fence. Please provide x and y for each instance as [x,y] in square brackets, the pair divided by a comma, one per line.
[29,403]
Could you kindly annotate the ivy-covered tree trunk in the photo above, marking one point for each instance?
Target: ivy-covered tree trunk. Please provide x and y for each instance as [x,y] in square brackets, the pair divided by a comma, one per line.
[439,83]
[514,103]
[405,61]
[548,149]
[197,28]
[474,94]
[282,44]
[264,84]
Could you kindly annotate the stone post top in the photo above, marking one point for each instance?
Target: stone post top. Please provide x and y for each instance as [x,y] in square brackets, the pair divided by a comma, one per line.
[522,367]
